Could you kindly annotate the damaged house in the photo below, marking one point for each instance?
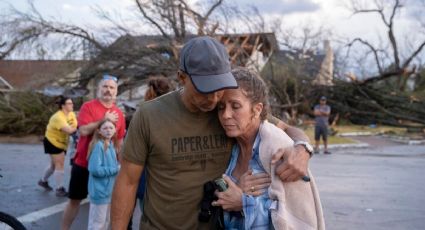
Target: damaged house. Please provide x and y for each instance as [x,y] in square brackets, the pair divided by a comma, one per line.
[133,59]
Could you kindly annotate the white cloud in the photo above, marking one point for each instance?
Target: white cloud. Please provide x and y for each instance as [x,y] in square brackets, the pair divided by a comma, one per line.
[66,6]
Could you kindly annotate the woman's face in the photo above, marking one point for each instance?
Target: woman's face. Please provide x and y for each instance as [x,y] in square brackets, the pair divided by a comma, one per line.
[237,115]
[68,106]
[107,130]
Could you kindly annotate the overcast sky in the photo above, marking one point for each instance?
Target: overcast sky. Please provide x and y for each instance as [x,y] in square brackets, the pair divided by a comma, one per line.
[333,14]
[330,12]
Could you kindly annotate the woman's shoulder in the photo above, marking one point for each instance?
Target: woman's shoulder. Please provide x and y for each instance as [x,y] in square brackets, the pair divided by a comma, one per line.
[58,113]
[272,136]
[58,116]
[269,128]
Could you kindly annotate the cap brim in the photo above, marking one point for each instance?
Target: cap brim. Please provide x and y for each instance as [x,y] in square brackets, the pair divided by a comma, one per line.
[213,83]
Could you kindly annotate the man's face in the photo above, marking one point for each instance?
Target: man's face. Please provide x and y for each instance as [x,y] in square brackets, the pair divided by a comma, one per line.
[323,101]
[199,101]
[107,90]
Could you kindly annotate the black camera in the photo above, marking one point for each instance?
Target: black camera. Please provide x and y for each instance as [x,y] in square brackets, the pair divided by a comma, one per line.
[208,211]
[207,198]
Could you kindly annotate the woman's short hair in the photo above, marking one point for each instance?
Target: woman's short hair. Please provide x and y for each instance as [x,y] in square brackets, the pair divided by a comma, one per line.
[253,87]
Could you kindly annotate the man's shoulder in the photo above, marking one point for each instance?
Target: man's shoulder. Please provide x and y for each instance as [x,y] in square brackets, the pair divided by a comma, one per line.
[162,107]
[166,100]
[90,103]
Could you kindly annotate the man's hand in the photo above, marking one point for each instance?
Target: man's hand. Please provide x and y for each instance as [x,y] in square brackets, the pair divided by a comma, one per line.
[111,115]
[294,165]
[254,184]
[231,199]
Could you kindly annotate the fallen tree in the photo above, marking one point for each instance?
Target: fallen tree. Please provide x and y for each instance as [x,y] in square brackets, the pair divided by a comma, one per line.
[373,104]
[383,95]
[23,113]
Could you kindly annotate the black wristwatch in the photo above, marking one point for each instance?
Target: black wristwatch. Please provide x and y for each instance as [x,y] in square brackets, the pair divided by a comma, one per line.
[306,145]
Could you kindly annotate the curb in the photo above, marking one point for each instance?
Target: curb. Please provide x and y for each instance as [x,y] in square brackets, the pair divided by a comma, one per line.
[357,134]
[399,139]
[404,140]
[344,146]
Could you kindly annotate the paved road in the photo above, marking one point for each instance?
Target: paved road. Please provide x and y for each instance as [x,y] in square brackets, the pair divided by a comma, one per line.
[380,187]
[21,167]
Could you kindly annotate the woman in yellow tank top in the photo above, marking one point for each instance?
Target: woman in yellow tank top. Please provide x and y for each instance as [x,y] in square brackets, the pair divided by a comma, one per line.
[60,126]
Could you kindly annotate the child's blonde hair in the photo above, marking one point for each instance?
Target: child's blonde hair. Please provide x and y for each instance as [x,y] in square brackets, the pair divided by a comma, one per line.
[97,136]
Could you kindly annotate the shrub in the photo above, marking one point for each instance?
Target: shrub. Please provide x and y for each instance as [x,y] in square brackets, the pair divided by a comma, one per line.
[23,113]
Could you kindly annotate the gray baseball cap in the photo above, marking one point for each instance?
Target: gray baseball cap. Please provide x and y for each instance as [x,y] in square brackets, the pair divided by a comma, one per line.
[207,63]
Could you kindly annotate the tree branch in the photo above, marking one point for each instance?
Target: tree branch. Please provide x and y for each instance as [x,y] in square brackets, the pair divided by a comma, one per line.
[413,55]
[391,34]
[15,44]
[30,27]
[384,76]
[374,51]
[140,6]
[198,18]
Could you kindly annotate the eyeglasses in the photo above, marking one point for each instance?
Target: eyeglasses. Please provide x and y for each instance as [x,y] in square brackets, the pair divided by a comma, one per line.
[110,77]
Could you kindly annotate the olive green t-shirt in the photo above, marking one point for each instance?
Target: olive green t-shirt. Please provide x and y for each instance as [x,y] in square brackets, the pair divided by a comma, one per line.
[181,151]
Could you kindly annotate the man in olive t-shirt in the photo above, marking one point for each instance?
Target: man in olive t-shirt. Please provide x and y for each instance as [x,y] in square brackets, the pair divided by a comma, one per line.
[178,139]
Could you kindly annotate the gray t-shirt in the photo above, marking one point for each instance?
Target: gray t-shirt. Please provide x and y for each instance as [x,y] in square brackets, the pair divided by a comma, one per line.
[322,120]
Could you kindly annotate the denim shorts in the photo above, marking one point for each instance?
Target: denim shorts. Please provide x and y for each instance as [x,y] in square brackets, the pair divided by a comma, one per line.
[320,131]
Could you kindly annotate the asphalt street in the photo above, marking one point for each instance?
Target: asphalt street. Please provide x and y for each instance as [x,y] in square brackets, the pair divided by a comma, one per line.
[378,187]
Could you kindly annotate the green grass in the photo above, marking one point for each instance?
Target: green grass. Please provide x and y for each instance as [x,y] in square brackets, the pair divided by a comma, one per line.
[362,128]
[331,139]
[335,139]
